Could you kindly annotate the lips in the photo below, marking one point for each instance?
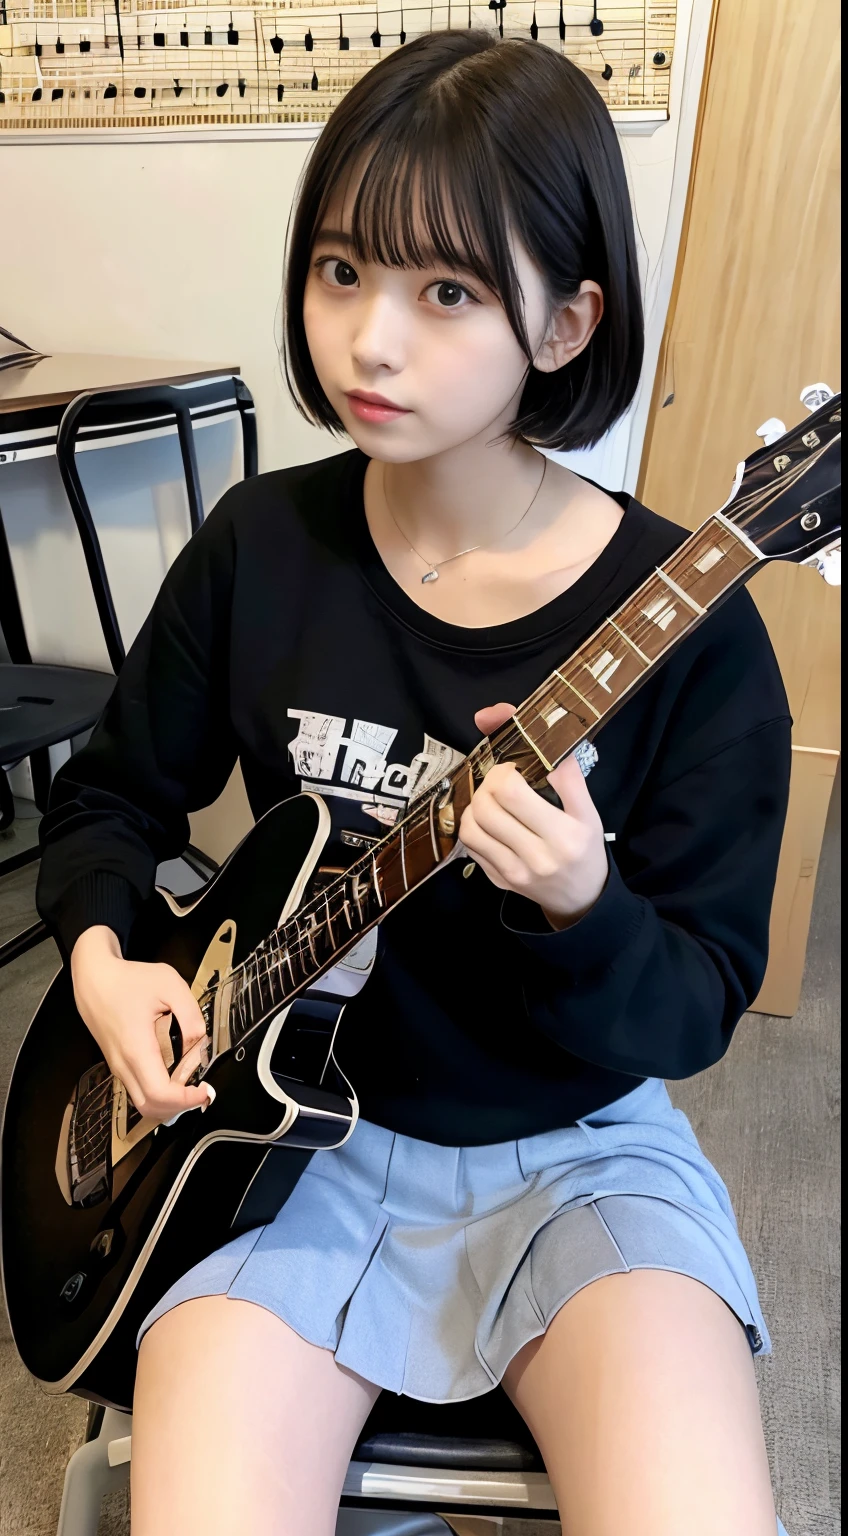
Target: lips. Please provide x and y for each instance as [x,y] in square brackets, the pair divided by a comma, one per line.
[375,408]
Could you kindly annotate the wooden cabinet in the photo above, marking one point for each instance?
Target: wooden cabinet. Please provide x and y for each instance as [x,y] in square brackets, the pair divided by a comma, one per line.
[754,317]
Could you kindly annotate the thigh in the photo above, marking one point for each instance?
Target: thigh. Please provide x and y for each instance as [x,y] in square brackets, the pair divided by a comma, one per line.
[239,1425]
[643,1401]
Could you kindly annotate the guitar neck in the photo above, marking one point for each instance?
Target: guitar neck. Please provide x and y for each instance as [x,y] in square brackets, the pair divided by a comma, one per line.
[569,708]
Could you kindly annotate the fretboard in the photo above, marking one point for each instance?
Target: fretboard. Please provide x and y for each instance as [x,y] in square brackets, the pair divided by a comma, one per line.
[569,708]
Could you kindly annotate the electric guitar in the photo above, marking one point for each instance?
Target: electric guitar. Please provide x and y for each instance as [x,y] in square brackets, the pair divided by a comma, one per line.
[102,1210]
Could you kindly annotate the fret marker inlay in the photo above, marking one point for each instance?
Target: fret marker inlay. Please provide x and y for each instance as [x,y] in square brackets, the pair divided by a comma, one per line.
[603,669]
[708,560]
[660,612]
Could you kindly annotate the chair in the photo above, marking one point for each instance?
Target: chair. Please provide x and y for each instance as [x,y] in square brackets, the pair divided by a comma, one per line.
[420,1469]
[40,705]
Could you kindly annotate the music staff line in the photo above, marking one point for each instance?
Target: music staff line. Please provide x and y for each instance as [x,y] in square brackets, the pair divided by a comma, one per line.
[204,53]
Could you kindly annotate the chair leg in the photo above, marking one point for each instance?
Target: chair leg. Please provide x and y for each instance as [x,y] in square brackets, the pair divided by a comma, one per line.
[7,802]
[89,1477]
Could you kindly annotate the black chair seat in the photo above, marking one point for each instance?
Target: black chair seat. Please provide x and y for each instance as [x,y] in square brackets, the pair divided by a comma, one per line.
[485,1434]
[42,705]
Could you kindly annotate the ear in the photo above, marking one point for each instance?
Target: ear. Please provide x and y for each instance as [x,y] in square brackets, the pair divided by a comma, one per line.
[570,329]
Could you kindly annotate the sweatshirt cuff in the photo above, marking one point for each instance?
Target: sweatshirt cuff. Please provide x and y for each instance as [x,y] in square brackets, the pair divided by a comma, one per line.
[591,944]
[99,897]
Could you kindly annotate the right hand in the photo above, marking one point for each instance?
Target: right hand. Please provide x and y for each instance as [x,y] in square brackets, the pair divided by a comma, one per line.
[127,1005]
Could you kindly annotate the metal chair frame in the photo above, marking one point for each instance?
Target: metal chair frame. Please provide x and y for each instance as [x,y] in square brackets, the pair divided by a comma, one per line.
[105,406]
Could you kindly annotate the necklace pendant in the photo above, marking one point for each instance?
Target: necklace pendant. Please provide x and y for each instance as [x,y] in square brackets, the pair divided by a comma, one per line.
[432,575]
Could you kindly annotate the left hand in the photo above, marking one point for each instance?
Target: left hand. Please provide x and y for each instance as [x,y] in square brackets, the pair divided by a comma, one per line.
[556,858]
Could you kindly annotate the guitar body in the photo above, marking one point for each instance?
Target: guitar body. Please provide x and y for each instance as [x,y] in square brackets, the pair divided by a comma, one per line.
[80,1277]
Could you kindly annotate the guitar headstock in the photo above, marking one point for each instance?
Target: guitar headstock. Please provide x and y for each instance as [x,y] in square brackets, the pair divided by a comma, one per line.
[787,497]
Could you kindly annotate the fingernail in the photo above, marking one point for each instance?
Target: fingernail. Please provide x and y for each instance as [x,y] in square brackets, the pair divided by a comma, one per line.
[211,1099]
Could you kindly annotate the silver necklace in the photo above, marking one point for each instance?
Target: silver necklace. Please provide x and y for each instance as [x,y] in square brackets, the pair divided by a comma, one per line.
[432,572]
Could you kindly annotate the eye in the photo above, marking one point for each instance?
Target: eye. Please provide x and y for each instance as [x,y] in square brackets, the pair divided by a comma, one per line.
[450,295]
[336,272]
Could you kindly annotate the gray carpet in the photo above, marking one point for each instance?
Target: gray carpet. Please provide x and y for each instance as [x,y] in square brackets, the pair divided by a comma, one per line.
[767,1116]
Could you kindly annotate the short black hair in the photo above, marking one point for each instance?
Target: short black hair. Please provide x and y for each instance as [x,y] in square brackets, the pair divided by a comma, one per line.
[506,132]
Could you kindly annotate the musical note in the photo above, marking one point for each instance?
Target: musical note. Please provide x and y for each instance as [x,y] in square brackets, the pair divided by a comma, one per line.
[534,30]
[344,42]
[596,26]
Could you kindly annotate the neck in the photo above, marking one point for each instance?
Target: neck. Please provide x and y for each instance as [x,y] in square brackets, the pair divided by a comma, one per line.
[468,495]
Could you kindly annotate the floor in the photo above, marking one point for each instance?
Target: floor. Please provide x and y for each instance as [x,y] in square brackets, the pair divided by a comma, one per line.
[767,1116]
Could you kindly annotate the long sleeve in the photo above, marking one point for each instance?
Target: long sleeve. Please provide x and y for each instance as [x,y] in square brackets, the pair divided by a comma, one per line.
[164,746]
[654,978]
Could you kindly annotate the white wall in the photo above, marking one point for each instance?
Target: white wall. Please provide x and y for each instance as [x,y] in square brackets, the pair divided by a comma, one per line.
[156,247]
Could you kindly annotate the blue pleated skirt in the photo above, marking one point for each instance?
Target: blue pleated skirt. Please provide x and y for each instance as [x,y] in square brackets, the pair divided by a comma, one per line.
[426,1268]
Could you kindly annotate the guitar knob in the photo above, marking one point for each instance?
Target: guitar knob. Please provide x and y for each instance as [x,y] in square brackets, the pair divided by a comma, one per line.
[771,430]
[814,395]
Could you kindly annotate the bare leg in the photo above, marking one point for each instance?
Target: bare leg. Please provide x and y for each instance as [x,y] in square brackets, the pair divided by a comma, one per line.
[239,1426]
[643,1401]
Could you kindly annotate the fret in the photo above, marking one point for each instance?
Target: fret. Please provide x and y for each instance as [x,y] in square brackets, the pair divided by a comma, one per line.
[403,857]
[432,822]
[740,534]
[288,962]
[355,893]
[632,643]
[579,695]
[679,592]
[541,756]
[311,928]
[376,879]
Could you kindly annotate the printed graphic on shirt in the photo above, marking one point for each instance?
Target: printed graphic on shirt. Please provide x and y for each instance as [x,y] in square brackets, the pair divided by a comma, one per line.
[355,764]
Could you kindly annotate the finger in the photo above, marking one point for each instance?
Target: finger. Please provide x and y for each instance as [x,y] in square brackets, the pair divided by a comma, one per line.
[570,784]
[488,849]
[505,786]
[156,1094]
[488,720]
[178,998]
[510,830]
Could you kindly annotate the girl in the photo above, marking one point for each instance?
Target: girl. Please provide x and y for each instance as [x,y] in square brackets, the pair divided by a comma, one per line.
[519,1202]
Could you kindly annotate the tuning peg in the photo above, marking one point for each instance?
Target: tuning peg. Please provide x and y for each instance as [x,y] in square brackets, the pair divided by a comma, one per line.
[814,395]
[828,563]
[771,430]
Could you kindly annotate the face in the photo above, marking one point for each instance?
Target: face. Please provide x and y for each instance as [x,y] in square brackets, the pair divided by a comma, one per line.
[435,344]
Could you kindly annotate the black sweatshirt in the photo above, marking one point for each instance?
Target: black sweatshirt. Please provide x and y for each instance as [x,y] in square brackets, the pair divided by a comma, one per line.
[279,638]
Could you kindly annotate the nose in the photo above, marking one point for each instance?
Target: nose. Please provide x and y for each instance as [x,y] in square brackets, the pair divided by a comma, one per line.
[378,338]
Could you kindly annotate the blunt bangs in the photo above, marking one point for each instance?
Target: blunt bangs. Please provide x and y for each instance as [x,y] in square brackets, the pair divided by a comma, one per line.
[463,139]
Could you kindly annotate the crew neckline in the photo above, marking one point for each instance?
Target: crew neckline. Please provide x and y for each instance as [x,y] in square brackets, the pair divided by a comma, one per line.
[550,617]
